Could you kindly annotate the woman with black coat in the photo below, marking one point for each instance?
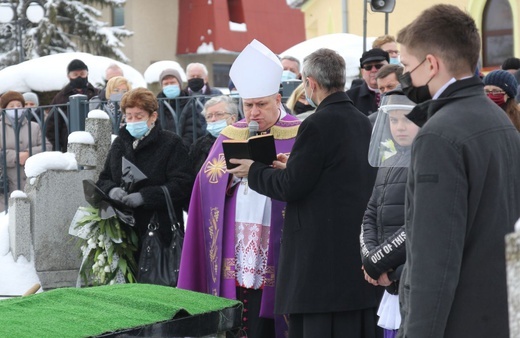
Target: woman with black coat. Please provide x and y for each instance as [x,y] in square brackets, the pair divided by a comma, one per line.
[158,153]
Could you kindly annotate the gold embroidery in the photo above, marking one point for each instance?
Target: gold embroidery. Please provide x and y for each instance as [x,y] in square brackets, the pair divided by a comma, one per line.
[269,276]
[229,268]
[215,168]
[213,251]
[279,133]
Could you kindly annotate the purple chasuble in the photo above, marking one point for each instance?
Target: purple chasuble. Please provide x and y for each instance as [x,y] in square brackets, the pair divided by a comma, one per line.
[208,257]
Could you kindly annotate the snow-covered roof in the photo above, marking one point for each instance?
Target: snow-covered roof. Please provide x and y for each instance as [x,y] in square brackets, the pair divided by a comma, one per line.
[350,46]
[48,73]
[151,74]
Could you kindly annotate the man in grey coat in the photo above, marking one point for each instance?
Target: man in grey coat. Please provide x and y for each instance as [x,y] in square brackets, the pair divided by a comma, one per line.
[463,190]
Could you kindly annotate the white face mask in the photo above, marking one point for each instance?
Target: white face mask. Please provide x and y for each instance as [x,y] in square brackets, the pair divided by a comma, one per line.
[12,113]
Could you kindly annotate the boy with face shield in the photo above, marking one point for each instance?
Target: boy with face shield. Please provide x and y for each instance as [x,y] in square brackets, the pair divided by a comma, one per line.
[382,236]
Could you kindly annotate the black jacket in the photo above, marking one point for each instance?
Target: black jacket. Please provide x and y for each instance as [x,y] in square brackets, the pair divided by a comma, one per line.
[169,119]
[162,157]
[327,185]
[363,98]
[61,98]
[382,232]
[462,198]
[199,151]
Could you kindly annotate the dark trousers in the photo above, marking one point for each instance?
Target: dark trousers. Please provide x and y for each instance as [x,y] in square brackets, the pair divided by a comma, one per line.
[351,324]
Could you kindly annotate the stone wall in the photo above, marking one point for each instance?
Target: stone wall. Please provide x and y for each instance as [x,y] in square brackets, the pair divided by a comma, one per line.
[39,224]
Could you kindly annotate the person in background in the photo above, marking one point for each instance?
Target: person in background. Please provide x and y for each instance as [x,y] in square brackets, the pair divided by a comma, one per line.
[112,70]
[388,78]
[326,182]
[501,87]
[77,73]
[32,102]
[219,112]
[382,238]
[14,117]
[511,65]
[298,104]
[389,45]
[291,68]
[158,153]
[366,96]
[462,190]
[171,85]
[199,91]
[233,233]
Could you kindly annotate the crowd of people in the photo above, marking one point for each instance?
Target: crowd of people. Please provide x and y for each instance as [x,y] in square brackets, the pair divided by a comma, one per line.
[385,204]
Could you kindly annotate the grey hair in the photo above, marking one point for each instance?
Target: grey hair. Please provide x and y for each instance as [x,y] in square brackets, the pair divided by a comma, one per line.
[231,106]
[293,59]
[204,68]
[326,67]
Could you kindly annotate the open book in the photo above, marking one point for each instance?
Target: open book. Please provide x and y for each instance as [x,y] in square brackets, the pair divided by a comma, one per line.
[258,148]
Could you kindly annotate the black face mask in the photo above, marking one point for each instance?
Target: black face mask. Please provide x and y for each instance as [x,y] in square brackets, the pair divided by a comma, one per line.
[302,108]
[79,82]
[196,84]
[415,94]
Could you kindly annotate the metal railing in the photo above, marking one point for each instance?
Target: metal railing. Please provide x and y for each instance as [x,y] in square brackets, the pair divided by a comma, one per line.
[172,116]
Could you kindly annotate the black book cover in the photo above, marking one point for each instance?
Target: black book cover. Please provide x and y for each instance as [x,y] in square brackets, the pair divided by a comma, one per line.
[259,148]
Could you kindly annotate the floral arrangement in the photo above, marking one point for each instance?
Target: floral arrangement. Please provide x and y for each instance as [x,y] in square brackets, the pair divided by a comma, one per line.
[388,149]
[107,248]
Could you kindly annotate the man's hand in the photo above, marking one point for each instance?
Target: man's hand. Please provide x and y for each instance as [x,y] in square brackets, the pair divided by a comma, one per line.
[281,161]
[243,169]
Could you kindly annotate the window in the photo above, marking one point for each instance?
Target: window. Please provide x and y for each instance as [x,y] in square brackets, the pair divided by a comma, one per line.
[236,11]
[221,74]
[497,40]
[118,16]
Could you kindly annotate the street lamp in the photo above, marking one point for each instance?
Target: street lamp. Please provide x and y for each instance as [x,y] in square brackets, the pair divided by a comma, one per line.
[31,12]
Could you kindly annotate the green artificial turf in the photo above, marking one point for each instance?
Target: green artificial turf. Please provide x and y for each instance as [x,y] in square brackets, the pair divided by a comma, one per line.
[73,312]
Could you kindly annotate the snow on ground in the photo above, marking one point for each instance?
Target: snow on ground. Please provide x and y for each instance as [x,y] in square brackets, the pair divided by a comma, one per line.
[15,277]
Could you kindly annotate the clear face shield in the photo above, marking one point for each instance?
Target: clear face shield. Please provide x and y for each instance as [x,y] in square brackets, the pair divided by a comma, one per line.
[393,133]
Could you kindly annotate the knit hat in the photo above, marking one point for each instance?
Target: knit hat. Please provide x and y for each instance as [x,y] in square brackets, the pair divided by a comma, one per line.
[76,64]
[375,54]
[11,96]
[170,72]
[504,80]
[30,96]
[511,63]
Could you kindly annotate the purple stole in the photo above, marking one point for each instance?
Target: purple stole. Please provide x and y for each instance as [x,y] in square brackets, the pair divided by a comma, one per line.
[208,257]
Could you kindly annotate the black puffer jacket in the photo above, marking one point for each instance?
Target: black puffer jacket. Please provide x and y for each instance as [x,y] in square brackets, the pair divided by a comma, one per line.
[199,151]
[382,232]
[162,157]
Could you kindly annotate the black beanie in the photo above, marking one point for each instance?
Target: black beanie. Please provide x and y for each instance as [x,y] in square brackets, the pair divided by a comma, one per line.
[76,64]
[504,80]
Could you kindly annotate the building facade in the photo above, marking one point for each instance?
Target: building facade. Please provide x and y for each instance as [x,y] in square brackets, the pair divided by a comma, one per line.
[498,21]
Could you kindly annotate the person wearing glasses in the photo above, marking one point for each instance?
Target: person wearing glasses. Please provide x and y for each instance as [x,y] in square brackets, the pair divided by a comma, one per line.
[501,88]
[219,112]
[366,96]
[388,44]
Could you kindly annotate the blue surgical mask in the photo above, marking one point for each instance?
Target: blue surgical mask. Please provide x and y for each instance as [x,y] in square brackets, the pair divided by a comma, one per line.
[12,113]
[395,61]
[308,98]
[288,75]
[234,94]
[214,128]
[137,129]
[116,97]
[171,91]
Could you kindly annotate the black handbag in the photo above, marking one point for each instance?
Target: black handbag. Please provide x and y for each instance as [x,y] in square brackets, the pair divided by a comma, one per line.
[158,263]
